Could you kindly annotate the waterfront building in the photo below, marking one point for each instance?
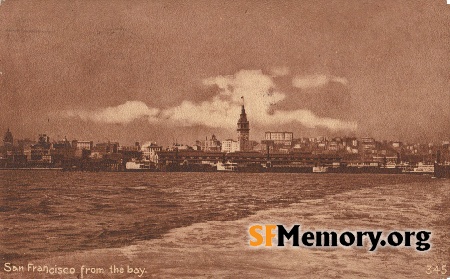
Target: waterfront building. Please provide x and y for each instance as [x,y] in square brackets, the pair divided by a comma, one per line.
[195,159]
[8,139]
[25,147]
[135,147]
[8,143]
[368,147]
[280,137]
[41,150]
[333,146]
[82,144]
[277,142]
[179,146]
[212,144]
[149,152]
[188,157]
[104,148]
[397,144]
[60,151]
[243,131]
[191,160]
[351,145]
[229,145]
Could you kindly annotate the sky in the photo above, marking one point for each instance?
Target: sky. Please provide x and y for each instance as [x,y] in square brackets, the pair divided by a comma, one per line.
[169,71]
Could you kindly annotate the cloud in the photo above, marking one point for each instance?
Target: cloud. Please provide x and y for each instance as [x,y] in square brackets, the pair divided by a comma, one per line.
[313,81]
[123,113]
[261,98]
[310,120]
[280,71]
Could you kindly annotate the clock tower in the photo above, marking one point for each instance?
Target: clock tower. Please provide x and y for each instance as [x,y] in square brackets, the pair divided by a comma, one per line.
[243,130]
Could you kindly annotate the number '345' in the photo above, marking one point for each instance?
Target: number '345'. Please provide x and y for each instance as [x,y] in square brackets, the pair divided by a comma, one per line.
[437,269]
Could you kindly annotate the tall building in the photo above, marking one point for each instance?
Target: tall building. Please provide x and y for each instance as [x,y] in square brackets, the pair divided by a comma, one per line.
[212,144]
[82,144]
[277,141]
[8,138]
[8,143]
[229,145]
[149,152]
[243,131]
[280,137]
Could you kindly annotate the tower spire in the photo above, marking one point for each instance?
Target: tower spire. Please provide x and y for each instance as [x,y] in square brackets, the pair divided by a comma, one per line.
[243,129]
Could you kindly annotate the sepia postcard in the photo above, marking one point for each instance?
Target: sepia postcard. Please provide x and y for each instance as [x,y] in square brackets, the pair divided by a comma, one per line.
[224,139]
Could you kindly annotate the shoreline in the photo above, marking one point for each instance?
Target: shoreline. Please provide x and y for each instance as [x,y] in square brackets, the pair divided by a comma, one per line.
[240,172]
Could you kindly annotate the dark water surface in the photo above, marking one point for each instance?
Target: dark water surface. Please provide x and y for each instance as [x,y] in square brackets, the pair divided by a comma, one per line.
[47,213]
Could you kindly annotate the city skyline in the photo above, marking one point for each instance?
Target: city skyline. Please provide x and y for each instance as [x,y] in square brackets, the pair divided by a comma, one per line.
[9,137]
[171,71]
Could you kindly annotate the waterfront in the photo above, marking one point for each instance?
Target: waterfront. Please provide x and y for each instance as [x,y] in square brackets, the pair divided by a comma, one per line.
[191,224]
